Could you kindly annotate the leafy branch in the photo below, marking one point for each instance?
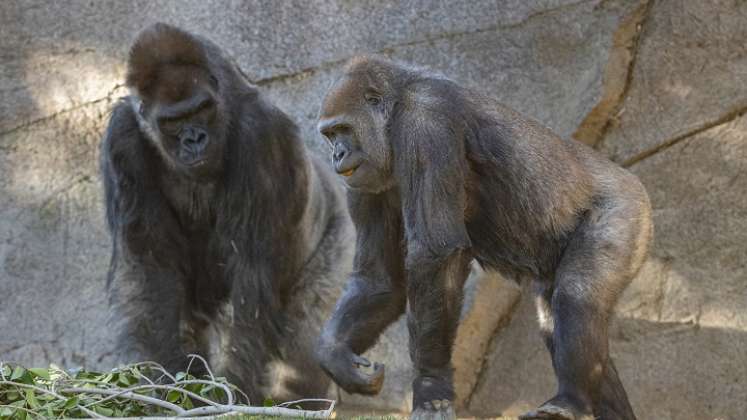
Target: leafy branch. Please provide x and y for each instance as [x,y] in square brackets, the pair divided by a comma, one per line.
[143,389]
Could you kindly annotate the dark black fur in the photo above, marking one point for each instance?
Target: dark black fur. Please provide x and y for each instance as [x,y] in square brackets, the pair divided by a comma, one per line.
[439,175]
[238,259]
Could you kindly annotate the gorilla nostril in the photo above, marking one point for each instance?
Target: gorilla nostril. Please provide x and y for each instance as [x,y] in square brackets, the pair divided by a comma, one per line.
[340,151]
[191,137]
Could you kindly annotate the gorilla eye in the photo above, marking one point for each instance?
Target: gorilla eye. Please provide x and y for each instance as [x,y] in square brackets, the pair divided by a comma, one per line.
[373,98]
[169,126]
[214,81]
[206,105]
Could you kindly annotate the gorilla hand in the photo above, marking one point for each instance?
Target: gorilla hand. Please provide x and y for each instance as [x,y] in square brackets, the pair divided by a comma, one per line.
[345,368]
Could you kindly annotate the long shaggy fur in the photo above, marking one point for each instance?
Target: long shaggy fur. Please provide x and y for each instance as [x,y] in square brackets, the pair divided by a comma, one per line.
[242,268]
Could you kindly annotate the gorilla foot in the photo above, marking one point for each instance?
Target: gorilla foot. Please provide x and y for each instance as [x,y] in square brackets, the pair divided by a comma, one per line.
[434,410]
[556,409]
[344,367]
[432,398]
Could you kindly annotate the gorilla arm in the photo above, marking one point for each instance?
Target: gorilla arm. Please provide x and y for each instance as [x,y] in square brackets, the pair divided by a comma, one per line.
[374,296]
[430,168]
[143,279]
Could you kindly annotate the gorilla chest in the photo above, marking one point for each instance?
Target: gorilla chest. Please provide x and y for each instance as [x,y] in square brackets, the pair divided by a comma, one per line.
[193,206]
[193,203]
[207,283]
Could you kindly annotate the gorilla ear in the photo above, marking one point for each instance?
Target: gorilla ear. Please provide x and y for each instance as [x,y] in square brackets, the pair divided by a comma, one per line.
[157,45]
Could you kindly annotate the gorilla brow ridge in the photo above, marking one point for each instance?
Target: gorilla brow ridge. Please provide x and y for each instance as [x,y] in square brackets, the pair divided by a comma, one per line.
[157,46]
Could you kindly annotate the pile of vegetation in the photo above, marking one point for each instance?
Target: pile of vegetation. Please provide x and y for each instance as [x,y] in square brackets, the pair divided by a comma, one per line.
[139,390]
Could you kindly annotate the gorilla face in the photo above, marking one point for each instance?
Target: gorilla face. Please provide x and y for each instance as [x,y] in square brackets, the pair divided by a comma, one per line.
[354,119]
[185,120]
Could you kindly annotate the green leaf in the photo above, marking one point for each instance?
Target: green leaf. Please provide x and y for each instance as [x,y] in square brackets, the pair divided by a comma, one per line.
[187,403]
[46,397]
[103,411]
[7,370]
[70,403]
[219,394]
[6,411]
[17,373]
[31,399]
[124,380]
[173,396]
[269,402]
[12,395]
[19,414]
[22,376]
[41,373]
[194,388]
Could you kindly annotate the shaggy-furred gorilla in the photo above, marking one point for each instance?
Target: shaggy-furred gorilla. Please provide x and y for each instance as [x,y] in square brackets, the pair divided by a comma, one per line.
[439,175]
[228,239]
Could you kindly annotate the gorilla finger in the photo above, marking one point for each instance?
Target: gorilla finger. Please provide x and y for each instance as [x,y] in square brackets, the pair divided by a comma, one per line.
[361,361]
[369,384]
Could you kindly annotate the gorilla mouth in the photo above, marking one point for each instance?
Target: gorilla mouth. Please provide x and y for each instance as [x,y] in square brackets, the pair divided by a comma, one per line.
[191,159]
[196,163]
[347,170]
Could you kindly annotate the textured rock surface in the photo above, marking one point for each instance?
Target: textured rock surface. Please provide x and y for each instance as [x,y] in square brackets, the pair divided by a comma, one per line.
[689,74]
[657,85]
[53,247]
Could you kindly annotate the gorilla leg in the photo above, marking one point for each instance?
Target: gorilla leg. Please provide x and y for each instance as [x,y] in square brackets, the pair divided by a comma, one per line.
[435,301]
[614,403]
[306,310]
[238,349]
[598,263]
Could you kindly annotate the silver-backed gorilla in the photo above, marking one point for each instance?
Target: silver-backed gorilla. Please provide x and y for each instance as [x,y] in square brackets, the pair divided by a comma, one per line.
[229,239]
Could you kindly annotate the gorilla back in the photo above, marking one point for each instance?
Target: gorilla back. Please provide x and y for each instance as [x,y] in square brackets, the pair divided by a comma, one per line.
[228,240]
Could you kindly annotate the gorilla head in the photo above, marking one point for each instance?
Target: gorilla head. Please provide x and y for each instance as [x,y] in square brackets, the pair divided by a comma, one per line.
[181,99]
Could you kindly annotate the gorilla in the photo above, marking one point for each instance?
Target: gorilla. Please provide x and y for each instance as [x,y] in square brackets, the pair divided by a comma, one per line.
[438,175]
[229,240]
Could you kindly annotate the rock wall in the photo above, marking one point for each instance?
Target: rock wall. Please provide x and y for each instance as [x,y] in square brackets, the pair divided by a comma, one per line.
[660,86]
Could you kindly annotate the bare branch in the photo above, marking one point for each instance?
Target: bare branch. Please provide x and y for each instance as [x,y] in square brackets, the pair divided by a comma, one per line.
[120,392]
[129,395]
[263,411]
